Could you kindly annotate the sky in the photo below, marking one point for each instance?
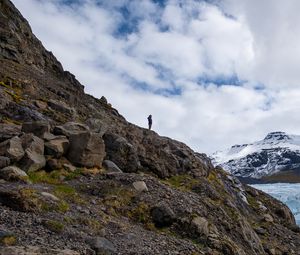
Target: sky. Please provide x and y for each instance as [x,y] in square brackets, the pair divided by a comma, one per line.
[212,73]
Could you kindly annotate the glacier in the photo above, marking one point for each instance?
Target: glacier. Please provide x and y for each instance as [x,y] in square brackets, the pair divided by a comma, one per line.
[287,193]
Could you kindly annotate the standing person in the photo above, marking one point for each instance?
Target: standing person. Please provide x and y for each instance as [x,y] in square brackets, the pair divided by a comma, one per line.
[149,121]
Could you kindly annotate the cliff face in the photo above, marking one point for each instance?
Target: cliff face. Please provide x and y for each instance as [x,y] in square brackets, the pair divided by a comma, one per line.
[77,178]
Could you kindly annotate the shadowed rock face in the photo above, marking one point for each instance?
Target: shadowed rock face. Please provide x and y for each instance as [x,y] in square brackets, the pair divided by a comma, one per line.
[157,196]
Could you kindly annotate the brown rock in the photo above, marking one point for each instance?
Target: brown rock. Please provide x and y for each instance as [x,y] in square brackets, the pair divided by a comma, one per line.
[86,149]
[12,149]
[13,173]
[70,128]
[38,128]
[33,159]
[57,147]
[7,131]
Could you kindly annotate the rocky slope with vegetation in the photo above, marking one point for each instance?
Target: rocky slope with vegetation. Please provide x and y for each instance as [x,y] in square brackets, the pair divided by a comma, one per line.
[77,178]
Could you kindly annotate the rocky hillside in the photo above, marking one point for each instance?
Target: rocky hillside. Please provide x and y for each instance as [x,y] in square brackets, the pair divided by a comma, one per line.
[276,158]
[77,178]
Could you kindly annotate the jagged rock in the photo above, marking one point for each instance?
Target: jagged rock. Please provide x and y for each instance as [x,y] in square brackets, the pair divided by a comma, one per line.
[13,173]
[8,131]
[12,149]
[102,246]
[97,126]
[70,128]
[199,226]
[162,215]
[38,128]
[35,250]
[33,159]
[103,100]
[4,161]
[57,147]
[86,149]
[111,167]
[121,152]
[33,143]
[140,186]
[60,106]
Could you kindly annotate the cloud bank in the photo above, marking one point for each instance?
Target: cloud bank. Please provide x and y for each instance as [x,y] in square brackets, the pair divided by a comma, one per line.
[212,73]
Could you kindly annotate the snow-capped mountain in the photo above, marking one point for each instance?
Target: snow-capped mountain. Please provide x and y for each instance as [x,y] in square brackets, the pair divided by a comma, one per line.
[278,153]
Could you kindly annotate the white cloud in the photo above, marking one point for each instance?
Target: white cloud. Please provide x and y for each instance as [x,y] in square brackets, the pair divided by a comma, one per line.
[179,46]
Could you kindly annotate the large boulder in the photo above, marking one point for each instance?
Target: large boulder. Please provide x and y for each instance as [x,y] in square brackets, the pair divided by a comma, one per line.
[12,149]
[38,128]
[70,128]
[7,131]
[33,159]
[57,147]
[121,152]
[86,149]
[13,173]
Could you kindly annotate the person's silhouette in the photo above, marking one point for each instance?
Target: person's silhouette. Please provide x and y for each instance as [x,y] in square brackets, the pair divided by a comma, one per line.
[149,121]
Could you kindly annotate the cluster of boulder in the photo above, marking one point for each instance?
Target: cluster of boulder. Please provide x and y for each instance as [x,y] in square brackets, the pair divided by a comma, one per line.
[34,146]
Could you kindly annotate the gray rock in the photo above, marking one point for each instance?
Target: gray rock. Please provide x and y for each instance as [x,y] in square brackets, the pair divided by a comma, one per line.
[13,173]
[102,246]
[162,215]
[97,126]
[57,147]
[12,149]
[32,161]
[199,226]
[61,107]
[140,186]
[86,149]
[121,152]
[111,167]
[38,128]
[4,162]
[8,131]
[70,128]
[33,143]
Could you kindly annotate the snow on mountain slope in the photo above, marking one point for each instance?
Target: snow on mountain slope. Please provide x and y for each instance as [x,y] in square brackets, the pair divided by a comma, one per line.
[277,152]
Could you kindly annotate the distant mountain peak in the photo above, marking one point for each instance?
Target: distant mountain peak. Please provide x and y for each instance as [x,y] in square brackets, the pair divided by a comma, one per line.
[277,153]
[278,135]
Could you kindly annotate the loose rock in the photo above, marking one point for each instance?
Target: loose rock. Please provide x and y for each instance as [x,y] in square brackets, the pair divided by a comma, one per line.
[13,173]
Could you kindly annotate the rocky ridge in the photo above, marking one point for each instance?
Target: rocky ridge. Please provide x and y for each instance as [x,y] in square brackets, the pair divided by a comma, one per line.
[77,178]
